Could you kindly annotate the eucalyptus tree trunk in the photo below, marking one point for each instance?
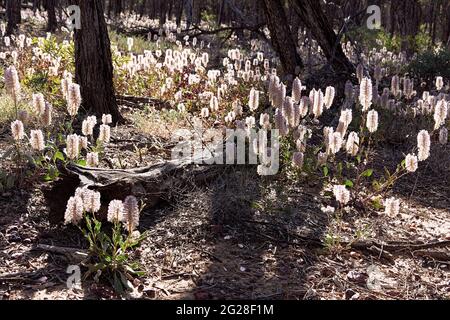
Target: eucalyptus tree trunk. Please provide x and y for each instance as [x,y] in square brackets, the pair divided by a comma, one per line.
[189,4]
[142,8]
[446,36]
[52,23]
[13,15]
[179,13]
[93,61]
[312,15]
[281,37]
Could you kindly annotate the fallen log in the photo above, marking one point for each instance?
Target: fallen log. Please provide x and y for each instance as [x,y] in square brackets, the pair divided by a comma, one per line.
[150,184]
[73,254]
[138,102]
[438,256]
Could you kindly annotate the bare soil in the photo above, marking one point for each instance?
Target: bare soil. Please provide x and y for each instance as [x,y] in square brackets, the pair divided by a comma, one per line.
[240,237]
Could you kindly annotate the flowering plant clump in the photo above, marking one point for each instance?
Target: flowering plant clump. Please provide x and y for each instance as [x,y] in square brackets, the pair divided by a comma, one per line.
[109,252]
[326,137]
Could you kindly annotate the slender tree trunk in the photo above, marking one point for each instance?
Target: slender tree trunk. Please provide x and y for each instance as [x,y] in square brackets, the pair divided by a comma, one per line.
[311,14]
[282,39]
[52,23]
[220,14]
[189,8]
[36,5]
[13,15]
[197,12]
[110,8]
[131,5]
[180,11]
[93,62]
[142,8]
[447,27]
[117,5]
[170,10]
[162,12]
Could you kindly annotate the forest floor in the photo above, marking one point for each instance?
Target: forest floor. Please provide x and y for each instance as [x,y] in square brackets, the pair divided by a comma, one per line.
[241,236]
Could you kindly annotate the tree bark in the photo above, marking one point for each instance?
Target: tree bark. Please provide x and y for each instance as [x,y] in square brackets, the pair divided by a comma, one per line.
[13,15]
[93,61]
[150,184]
[189,4]
[116,6]
[312,15]
[406,16]
[162,12]
[220,13]
[281,36]
[197,12]
[179,14]
[142,8]
[52,23]
[447,32]
[37,5]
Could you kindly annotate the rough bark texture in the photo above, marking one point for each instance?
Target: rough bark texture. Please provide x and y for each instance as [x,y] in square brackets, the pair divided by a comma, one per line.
[114,8]
[93,62]
[446,35]
[151,184]
[52,23]
[281,36]
[406,16]
[197,12]
[312,15]
[12,15]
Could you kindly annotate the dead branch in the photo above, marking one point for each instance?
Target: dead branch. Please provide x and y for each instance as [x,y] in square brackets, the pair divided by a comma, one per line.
[150,184]
[399,246]
[138,102]
[73,254]
[440,256]
[200,32]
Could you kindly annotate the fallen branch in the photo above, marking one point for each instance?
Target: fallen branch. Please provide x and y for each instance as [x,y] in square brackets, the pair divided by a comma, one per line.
[440,256]
[150,184]
[73,254]
[137,102]
[399,246]
[201,32]
[21,276]
[382,250]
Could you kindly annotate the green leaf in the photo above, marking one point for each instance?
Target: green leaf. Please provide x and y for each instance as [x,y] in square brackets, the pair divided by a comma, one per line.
[376,203]
[140,273]
[117,284]
[376,185]
[59,156]
[98,225]
[81,163]
[403,164]
[88,223]
[325,171]
[349,183]
[126,283]
[368,173]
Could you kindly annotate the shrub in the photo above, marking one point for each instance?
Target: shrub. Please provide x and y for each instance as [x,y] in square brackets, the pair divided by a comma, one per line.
[425,66]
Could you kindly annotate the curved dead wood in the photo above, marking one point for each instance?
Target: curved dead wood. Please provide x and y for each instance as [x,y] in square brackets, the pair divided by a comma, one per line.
[150,184]
[139,102]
